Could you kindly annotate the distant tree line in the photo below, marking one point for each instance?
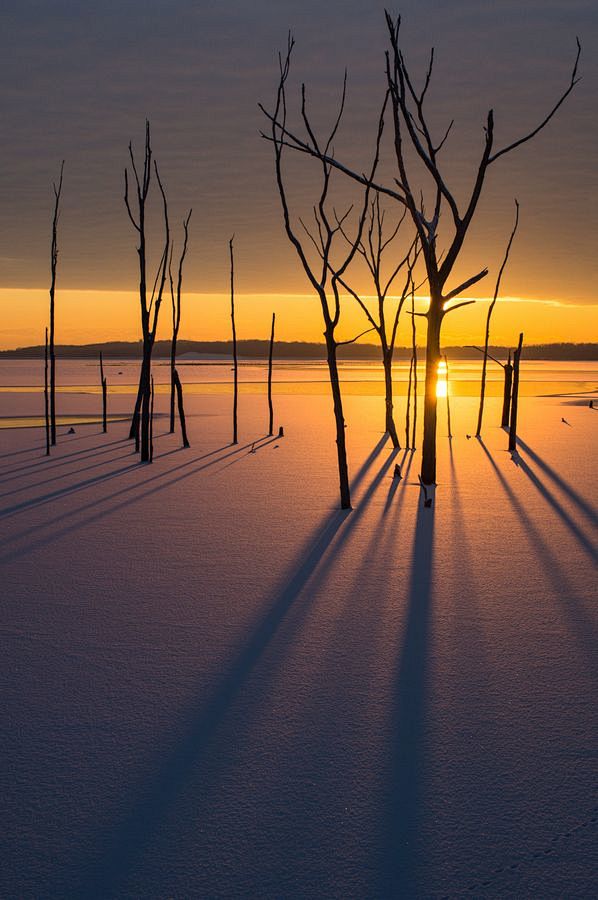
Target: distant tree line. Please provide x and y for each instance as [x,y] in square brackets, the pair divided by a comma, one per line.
[259,349]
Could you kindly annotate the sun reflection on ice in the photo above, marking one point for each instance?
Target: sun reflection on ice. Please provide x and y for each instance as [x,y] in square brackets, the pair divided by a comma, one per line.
[441,383]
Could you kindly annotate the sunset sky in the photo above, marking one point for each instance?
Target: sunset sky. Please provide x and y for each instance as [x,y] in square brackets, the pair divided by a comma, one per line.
[78,79]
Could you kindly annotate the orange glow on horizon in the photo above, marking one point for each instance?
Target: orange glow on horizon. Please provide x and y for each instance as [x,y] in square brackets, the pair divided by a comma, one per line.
[88,316]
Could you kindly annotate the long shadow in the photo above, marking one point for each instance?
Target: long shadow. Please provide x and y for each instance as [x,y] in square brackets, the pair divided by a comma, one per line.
[48,463]
[566,488]
[263,442]
[66,491]
[161,477]
[37,484]
[562,513]
[41,448]
[364,500]
[403,856]
[120,846]
[396,481]
[564,591]
[363,469]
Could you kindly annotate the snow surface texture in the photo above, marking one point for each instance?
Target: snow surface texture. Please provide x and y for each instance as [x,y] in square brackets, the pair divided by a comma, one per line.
[216,684]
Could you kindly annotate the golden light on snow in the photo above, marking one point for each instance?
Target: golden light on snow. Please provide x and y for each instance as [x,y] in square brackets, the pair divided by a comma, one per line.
[441,383]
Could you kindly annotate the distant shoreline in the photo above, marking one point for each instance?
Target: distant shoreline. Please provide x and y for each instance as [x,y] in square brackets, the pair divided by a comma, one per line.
[298,351]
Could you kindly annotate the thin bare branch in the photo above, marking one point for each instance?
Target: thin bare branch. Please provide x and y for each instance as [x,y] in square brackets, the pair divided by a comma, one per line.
[356,338]
[465,285]
[574,80]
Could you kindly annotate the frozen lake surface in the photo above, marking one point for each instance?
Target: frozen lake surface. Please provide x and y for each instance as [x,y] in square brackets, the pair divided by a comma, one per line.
[216,684]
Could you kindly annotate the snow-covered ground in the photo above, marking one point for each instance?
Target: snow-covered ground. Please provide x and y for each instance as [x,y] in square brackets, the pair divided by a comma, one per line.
[216,684]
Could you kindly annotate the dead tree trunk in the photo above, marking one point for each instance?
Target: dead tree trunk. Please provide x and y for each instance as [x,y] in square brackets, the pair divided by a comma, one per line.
[270,360]
[179,393]
[176,314]
[506,401]
[234,331]
[488,317]
[104,397]
[339,419]
[390,426]
[172,380]
[428,471]
[414,359]
[46,398]
[407,408]
[140,425]
[53,265]
[515,397]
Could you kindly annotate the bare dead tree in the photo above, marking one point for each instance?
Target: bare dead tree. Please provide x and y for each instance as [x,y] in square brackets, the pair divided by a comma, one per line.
[181,408]
[46,398]
[515,397]
[234,331]
[371,248]
[413,135]
[176,313]
[270,360]
[414,361]
[104,396]
[53,266]
[150,308]
[488,317]
[408,406]
[325,273]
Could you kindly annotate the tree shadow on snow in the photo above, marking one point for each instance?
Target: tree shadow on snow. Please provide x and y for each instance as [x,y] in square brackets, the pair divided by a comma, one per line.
[563,590]
[407,727]
[133,492]
[120,847]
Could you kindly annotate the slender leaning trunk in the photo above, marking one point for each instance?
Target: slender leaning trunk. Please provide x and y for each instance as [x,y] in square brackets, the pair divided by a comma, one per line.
[270,359]
[341,443]
[408,405]
[104,396]
[52,372]
[46,405]
[388,398]
[506,400]
[146,402]
[515,398]
[172,381]
[179,393]
[428,472]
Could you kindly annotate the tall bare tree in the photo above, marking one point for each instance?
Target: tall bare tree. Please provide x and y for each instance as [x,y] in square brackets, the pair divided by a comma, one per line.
[371,248]
[234,333]
[323,273]
[57,188]
[46,398]
[150,307]
[175,297]
[104,386]
[270,360]
[414,364]
[488,317]
[413,139]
